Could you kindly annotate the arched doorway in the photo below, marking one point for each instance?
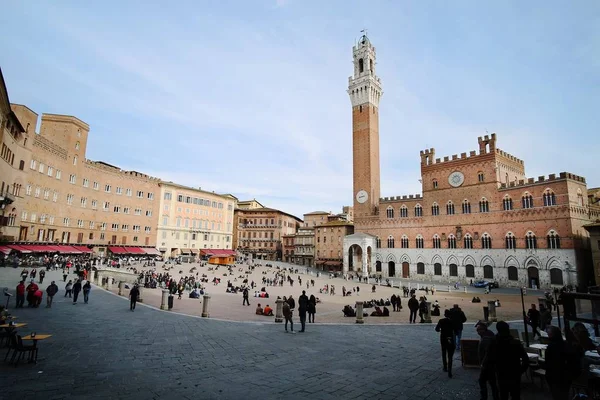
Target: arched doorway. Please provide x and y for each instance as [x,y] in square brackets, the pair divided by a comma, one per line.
[405,270]
[533,278]
[355,255]
[391,269]
[377,266]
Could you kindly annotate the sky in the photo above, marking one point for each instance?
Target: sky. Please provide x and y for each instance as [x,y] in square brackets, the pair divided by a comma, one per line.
[249,97]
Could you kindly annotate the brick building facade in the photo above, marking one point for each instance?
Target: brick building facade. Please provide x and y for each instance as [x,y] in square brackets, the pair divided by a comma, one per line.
[478,216]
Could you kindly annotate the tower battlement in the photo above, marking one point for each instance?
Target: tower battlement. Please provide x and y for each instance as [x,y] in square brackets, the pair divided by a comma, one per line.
[543,179]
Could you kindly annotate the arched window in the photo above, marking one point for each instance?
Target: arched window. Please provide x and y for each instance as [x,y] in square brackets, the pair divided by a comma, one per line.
[530,241]
[420,268]
[553,240]
[486,241]
[361,66]
[378,266]
[437,269]
[450,208]
[513,274]
[556,277]
[378,242]
[390,212]
[466,207]
[470,271]
[437,244]
[484,205]
[404,242]
[75,160]
[390,242]
[451,242]
[371,65]
[480,176]
[549,198]
[453,269]
[510,241]
[419,242]
[434,183]
[507,203]
[418,211]
[468,241]
[579,198]
[77,146]
[435,209]
[527,200]
[403,211]
[488,272]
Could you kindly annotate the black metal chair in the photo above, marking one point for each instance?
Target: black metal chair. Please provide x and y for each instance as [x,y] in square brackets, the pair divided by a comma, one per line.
[20,349]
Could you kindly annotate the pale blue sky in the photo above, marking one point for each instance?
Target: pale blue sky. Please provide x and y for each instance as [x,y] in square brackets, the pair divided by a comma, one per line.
[249,97]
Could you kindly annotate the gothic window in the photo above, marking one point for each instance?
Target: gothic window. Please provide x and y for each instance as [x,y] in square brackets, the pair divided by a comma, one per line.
[553,240]
[361,66]
[420,268]
[390,212]
[513,274]
[549,198]
[371,65]
[507,203]
[530,241]
[437,269]
[511,241]
[419,242]
[404,242]
[437,244]
[435,183]
[451,242]
[556,277]
[453,269]
[390,242]
[484,206]
[466,207]
[403,212]
[486,241]
[378,243]
[488,272]
[527,200]
[480,176]
[450,208]
[418,211]
[470,271]
[468,241]
[435,209]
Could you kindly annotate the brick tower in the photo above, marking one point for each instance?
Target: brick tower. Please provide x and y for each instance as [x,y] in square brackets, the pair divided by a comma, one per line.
[364,88]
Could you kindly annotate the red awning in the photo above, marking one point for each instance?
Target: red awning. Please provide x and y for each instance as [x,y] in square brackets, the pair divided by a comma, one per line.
[21,249]
[69,250]
[194,251]
[217,252]
[5,249]
[83,249]
[151,251]
[134,250]
[116,250]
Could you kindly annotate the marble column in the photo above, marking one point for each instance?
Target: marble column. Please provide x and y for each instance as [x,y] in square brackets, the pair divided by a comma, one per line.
[359,312]
[278,310]
[121,288]
[164,301]
[205,306]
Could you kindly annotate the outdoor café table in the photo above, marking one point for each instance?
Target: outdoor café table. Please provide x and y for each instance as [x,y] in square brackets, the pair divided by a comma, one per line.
[533,356]
[34,353]
[11,328]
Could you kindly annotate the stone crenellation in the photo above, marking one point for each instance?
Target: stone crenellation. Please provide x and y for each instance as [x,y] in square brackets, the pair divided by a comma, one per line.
[403,197]
[543,179]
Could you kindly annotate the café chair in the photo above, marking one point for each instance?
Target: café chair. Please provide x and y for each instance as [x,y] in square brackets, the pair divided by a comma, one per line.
[19,348]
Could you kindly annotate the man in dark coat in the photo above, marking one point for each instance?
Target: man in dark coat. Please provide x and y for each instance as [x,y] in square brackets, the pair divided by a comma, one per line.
[534,320]
[51,290]
[458,318]
[76,290]
[507,356]
[413,306]
[302,309]
[487,373]
[245,295]
[292,303]
[562,364]
[133,296]
[446,329]
[393,301]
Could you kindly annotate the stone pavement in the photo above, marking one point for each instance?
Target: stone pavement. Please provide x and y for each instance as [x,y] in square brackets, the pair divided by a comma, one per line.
[102,350]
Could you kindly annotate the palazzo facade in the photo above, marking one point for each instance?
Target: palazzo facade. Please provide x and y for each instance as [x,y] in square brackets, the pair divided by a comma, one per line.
[478,217]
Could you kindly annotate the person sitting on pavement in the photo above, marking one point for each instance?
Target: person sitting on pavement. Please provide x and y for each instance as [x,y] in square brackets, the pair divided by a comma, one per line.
[259,310]
[386,312]
[377,312]
[268,311]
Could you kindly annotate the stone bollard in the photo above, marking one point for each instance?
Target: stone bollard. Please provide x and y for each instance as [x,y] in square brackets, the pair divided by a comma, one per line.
[92,276]
[492,311]
[121,288]
[465,289]
[99,279]
[449,288]
[109,283]
[427,315]
[359,312]
[164,301]
[141,295]
[278,310]
[205,306]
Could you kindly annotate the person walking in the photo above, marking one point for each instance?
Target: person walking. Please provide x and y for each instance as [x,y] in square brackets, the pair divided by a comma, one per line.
[287,314]
[86,291]
[20,294]
[458,318]
[487,373]
[42,275]
[413,306]
[51,290]
[312,308]
[133,296]
[302,309]
[446,329]
[533,316]
[508,358]
[76,290]
[65,274]
[245,295]
[69,289]
[563,365]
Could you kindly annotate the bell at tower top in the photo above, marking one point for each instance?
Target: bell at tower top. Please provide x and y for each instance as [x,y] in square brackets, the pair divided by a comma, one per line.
[364,86]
